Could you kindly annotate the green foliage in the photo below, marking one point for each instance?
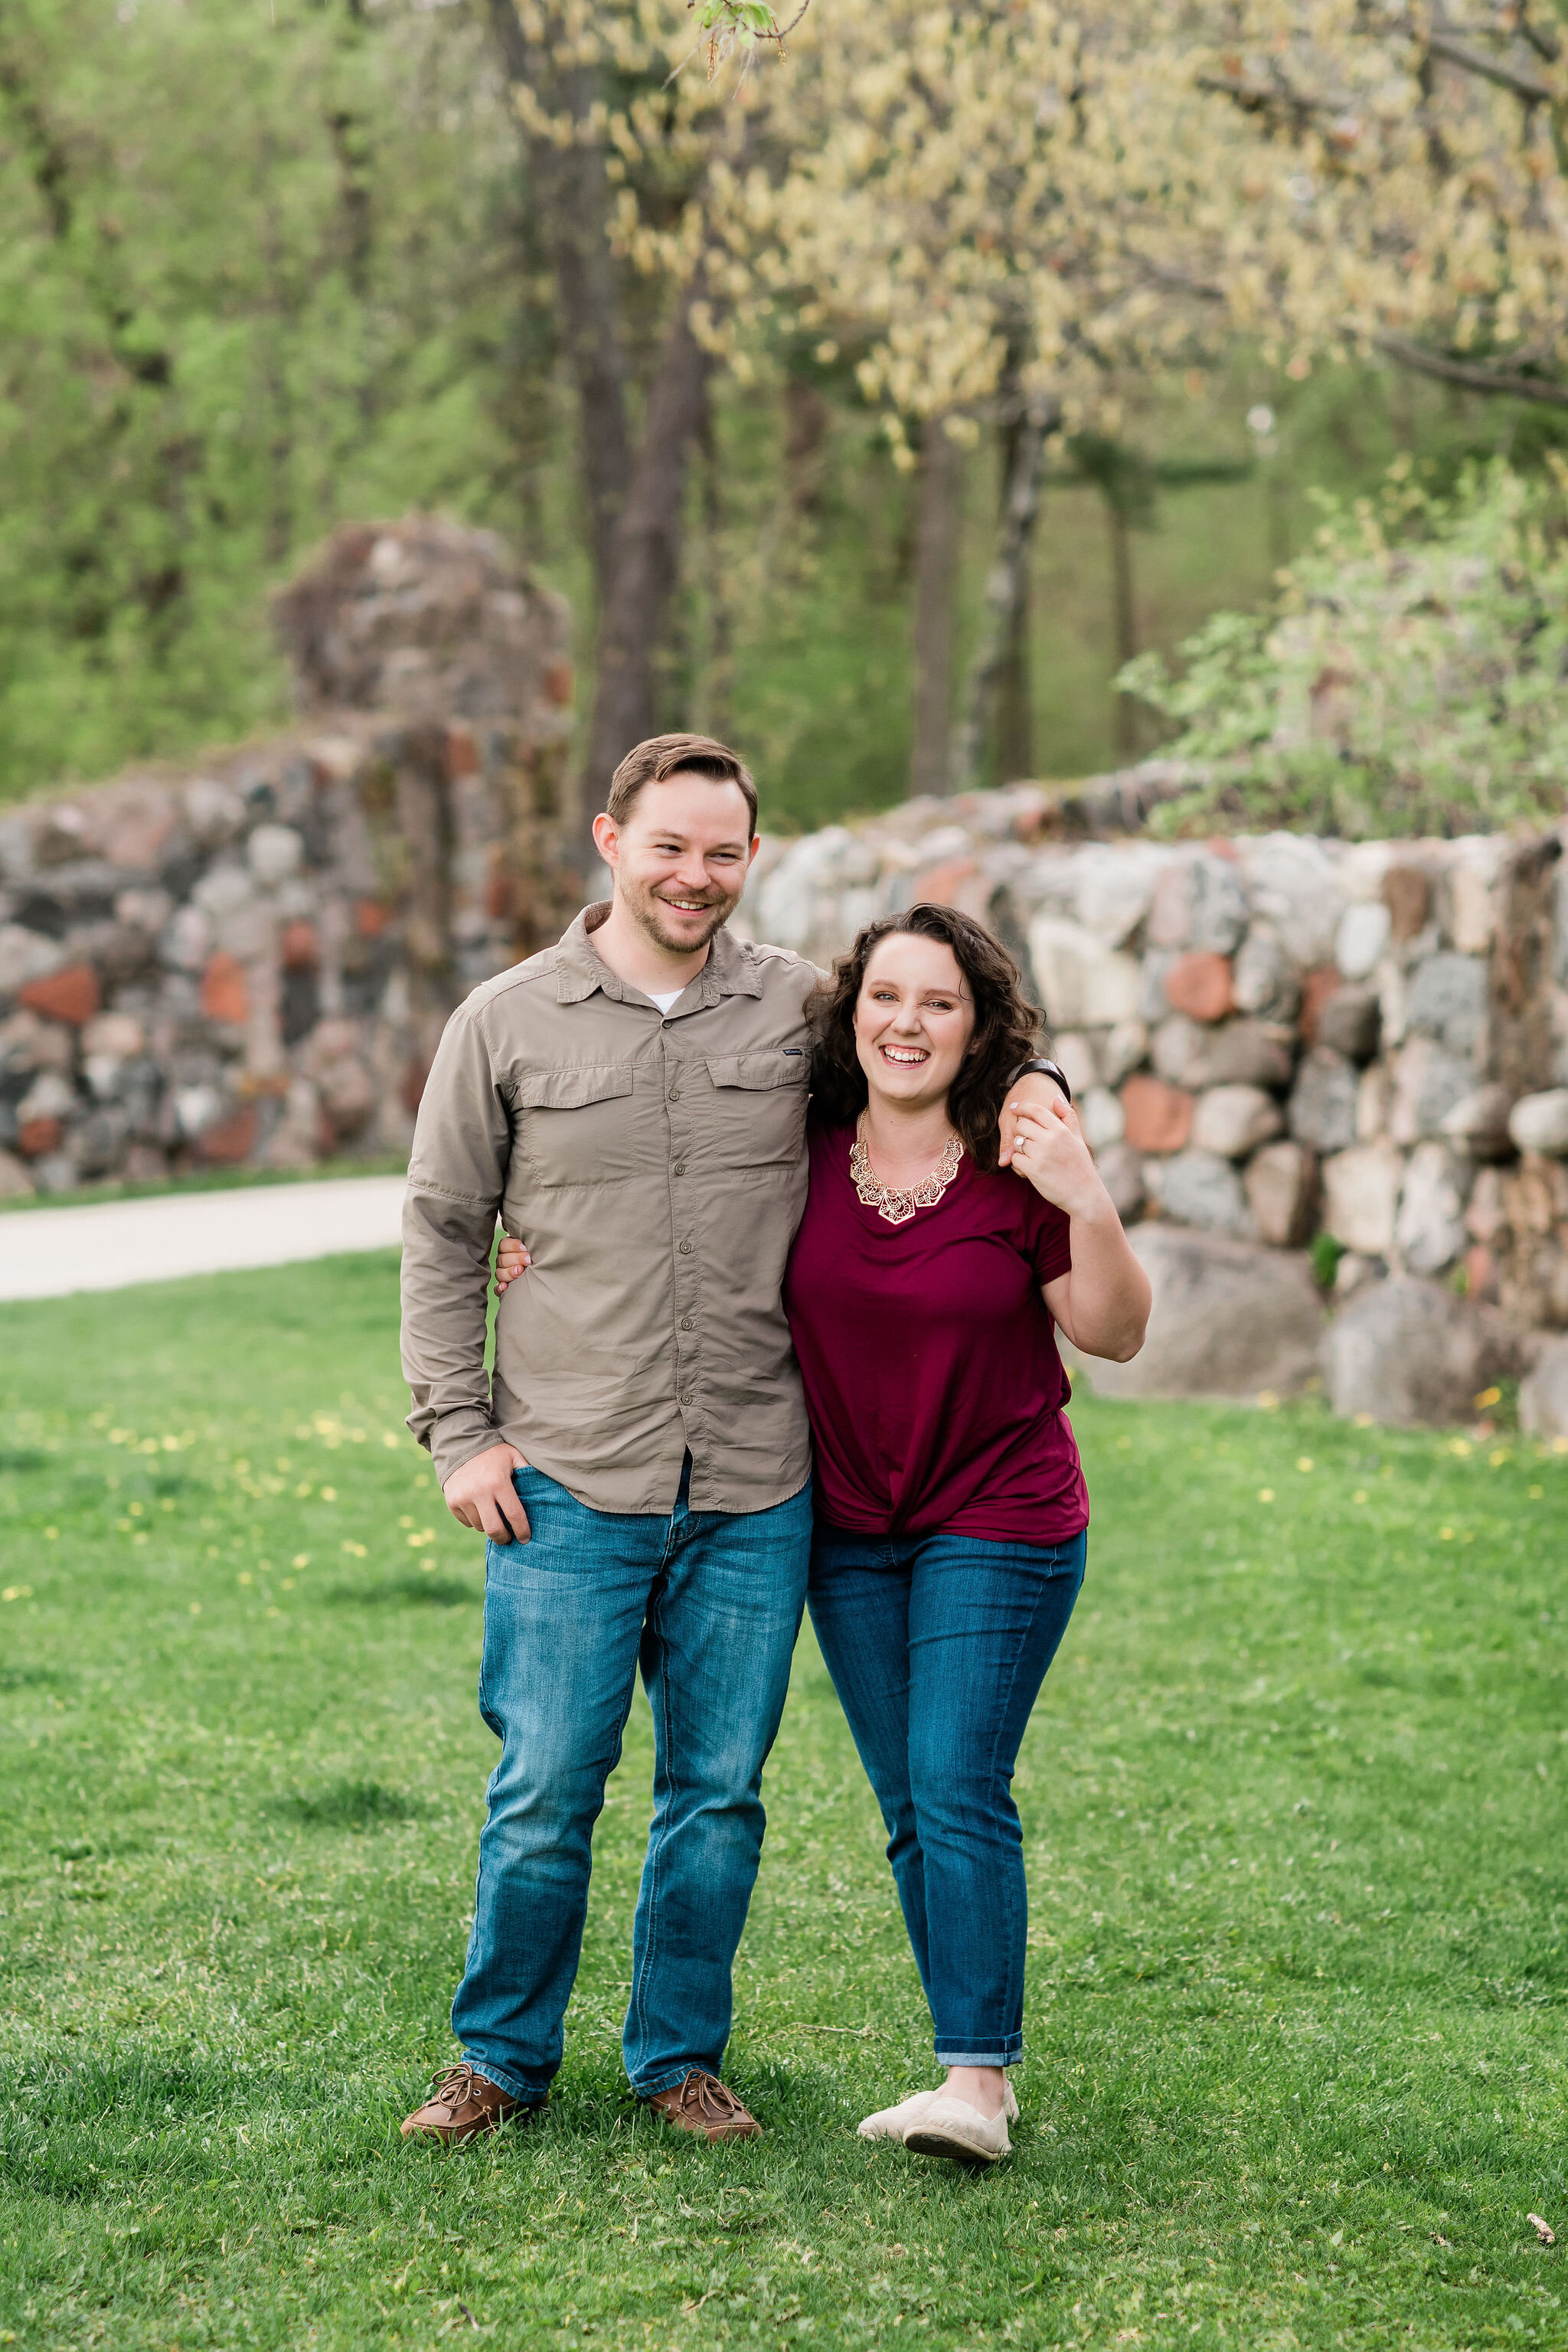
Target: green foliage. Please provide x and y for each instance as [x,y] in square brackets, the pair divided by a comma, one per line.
[1298,1947]
[247,287]
[1410,678]
[1326,1254]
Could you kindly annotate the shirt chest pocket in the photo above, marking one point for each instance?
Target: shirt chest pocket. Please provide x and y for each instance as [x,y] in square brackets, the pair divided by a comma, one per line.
[578,1125]
[757,1108]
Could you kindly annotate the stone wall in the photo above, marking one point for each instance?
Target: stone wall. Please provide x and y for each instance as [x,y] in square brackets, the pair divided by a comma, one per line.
[1271,1038]
[250,961]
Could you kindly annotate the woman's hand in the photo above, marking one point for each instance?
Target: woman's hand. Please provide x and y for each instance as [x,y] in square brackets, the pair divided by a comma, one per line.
[512,1259]
[1050,1152]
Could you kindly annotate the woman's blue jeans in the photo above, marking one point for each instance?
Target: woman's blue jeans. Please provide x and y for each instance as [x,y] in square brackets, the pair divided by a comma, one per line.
[938,1646]
[710,1603]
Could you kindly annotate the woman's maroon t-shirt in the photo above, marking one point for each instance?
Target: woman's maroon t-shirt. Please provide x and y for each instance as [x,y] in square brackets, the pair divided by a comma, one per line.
[929,1359]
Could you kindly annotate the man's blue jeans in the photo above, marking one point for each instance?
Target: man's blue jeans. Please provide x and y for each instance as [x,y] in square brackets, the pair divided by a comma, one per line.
[938,1646]
[709,1603]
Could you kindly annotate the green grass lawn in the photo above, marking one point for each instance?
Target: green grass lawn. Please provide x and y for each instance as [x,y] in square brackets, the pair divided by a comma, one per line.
[1294,1821]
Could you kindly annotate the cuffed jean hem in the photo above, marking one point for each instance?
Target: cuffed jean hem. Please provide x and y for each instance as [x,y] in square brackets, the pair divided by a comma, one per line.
[667,2080]
[1009,2053]
[533,2094]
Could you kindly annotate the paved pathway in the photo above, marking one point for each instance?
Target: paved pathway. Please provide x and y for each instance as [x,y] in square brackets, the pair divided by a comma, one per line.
[109,1244]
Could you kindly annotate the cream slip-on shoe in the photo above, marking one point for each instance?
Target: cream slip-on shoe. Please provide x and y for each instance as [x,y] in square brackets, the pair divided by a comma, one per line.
[952,2127]
[893,2123]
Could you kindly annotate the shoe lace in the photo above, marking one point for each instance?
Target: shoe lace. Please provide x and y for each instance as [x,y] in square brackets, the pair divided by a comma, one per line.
[712,2099]
[456,2085]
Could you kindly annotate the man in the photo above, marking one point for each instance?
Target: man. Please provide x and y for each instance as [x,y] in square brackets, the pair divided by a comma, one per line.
[633,1101]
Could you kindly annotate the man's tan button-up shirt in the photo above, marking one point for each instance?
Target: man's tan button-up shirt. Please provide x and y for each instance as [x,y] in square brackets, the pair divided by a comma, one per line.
[655,1166]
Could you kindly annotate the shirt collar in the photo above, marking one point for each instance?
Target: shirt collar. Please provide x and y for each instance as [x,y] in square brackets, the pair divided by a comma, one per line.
[730,971]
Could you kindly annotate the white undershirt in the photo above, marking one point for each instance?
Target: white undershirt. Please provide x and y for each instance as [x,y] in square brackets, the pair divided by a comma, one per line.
[667,999]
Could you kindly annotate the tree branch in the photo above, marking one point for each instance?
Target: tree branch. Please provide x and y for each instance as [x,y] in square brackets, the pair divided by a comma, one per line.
[1468,374]
[1518,79]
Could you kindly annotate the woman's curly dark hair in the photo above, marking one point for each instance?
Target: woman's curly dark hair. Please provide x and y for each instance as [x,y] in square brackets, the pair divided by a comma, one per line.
[1006,1026]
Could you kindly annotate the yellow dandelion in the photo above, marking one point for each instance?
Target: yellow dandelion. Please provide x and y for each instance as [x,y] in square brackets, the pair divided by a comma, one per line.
[288,1584]
[1268,1400]
[1499,1457]
[195,1608]
[1266,1493]
[17,1592]
[1362,1421]
[328,1494]
[275,1613]
[51,1535]
[389,1437]
[300,1559]
[1303,1461]
[1445,1535]
[1122,1444]
[356,1550]
[405,1521]
[1360,1495]
[1487,1397]
[1535,1493]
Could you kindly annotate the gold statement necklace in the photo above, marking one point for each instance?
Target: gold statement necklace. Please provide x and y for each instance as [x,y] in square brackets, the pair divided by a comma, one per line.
[899,1207]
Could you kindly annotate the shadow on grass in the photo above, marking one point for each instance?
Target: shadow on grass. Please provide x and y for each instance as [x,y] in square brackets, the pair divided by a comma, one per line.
[348,1805]
[409,1592]
[33,1678]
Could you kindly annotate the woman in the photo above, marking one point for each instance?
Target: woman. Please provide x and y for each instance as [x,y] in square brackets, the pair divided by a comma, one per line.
[952,1514]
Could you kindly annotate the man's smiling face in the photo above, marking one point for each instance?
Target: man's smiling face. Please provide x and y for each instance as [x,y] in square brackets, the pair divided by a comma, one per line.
[680,858]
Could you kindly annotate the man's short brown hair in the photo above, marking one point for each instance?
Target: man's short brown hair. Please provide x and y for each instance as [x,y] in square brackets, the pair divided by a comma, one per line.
[663,756]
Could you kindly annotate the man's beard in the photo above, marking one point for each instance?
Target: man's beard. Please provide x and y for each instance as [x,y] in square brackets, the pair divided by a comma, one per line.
[644,910]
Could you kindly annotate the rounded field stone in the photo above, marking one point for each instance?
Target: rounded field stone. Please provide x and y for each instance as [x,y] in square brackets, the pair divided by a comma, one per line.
[70,995]
[1158,1118]
[1200,985]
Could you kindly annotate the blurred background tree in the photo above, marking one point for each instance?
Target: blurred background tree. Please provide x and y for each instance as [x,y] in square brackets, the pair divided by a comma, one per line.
[832,402]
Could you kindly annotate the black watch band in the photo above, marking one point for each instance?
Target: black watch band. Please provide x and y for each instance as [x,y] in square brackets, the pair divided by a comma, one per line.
[1047,1069]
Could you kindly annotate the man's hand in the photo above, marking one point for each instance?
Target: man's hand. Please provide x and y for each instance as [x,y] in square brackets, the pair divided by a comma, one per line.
[481,1494]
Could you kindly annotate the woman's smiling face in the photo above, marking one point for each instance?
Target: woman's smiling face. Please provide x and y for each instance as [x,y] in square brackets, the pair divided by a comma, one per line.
[913,1020]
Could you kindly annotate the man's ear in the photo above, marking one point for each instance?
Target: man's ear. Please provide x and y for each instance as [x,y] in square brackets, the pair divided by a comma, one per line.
[606,838]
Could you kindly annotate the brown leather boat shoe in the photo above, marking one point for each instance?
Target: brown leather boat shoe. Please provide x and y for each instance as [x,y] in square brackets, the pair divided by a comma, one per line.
[462,2105]
[702,2104]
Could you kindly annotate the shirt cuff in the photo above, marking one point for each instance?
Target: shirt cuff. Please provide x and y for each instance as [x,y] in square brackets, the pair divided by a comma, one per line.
[458,1437]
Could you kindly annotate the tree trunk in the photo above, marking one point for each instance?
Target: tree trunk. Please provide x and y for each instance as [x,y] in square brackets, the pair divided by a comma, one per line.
[1004,589]
[936,604]
[645,555]
[1015,701]
[715,714]
[1125,619]
[570,192]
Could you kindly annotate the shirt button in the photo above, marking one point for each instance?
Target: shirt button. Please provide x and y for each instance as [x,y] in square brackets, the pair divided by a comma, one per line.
[666,1025]
[686,1249]
[680,1168]
[675,1093]
[688,1323]
[688,1397]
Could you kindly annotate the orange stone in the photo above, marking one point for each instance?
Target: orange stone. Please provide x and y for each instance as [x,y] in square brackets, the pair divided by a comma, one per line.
[225,996]
[413,1087]
[300,949]
[1480,1274]
[956,882]
[1199,985]
[1159,1118]
[371,917]
[231,1140]
[1320,984]
[70,995]
[462,751]
[36,1135]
